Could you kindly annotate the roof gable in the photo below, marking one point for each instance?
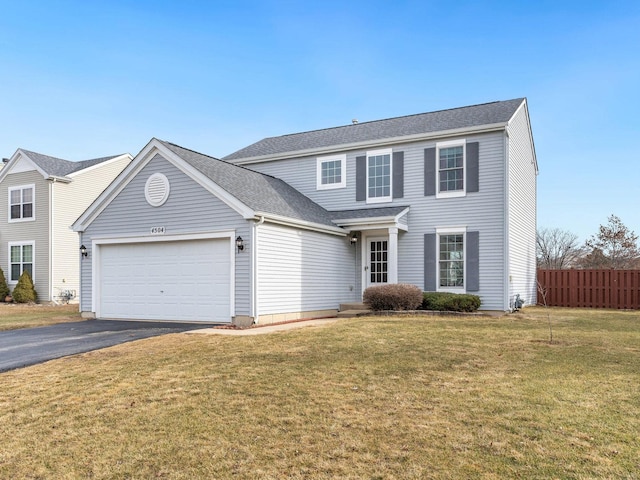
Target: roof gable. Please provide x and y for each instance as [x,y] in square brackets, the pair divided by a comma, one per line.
[49,166]
[248,192]
[424,123]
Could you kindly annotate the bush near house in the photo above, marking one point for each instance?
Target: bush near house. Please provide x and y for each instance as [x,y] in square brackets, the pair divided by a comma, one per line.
[399,296]
[24,292]
[4,288]
[450,302]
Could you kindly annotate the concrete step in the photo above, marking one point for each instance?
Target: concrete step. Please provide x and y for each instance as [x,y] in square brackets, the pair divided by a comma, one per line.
[357,306]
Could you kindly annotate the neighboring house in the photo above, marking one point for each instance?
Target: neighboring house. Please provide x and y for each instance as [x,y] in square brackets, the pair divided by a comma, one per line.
[40,197]
[292,226]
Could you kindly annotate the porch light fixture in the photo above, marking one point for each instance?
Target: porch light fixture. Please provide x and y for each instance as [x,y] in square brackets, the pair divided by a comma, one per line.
[239,244]
[83,251]
[354,239]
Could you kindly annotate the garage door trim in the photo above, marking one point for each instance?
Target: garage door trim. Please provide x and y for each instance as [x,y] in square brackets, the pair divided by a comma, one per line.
[96,243]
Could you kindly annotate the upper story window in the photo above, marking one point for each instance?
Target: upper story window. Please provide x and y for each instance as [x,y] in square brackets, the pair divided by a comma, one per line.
[21,203]
[332,172]
[451,166]
[379,179]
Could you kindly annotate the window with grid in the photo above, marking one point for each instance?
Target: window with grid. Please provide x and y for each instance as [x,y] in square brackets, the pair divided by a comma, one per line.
[21,203]
[451,169]
[331,172]
[451,261]
[21,259]
[379,176]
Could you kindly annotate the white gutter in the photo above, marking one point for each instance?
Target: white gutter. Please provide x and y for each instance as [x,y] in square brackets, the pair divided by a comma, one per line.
[370,143]
[289,222]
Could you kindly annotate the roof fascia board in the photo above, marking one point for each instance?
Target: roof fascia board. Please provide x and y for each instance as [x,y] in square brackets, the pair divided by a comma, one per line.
[138,163]
[371,143]
[356,221]
[525,106]
[6,170]
[102,164]
[292,222]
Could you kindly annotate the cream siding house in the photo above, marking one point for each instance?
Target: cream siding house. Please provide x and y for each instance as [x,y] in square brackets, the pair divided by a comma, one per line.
[40,197]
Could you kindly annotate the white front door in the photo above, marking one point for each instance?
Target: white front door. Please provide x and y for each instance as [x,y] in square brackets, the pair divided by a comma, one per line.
[377,267]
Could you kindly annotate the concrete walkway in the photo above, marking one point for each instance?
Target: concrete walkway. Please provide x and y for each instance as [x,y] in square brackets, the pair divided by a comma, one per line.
[262,329]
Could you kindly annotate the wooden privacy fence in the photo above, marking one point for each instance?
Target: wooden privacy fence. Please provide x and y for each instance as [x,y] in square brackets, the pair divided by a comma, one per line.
[590,288]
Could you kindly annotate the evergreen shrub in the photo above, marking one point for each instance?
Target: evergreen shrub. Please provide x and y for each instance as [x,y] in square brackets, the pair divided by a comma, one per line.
[450,302]
[24,291]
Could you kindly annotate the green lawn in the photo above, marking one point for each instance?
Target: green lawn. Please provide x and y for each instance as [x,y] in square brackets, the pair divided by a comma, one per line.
[375,397]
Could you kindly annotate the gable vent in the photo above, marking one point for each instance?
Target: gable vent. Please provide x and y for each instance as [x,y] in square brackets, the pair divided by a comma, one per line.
[156,190]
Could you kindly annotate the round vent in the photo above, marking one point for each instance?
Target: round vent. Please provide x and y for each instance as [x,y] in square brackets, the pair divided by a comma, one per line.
[156,190]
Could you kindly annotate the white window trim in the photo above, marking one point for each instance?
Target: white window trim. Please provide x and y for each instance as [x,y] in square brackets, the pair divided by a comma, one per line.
[451,231]
[373,153]
[455,193]
[343,172]
[32,218]
[33,262]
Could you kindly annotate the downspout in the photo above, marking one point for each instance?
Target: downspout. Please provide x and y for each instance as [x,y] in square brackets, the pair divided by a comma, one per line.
[254,267]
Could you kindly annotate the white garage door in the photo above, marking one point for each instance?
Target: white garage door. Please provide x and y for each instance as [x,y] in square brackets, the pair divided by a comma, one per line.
[182,280]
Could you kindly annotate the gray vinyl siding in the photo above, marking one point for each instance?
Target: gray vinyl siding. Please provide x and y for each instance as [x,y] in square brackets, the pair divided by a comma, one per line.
[189,209]
[522,209]
[303,270]
[70,200]
[37,230]
[482,211]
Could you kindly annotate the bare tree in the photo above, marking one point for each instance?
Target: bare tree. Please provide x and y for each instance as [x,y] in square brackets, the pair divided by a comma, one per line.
[557,248]
[614,246]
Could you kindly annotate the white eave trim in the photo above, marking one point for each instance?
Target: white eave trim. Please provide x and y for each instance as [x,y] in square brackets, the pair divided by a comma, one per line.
[292,222]
[371,143]
[6,170]
[101,164]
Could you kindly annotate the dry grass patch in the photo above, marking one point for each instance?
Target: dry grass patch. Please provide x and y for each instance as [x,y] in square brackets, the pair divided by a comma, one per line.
[14,315]
[430,397]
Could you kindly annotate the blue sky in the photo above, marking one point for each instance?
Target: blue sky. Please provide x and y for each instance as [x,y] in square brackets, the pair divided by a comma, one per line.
[86,79]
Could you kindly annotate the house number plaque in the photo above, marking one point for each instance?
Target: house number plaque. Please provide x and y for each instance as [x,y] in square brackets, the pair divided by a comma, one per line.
[157,230]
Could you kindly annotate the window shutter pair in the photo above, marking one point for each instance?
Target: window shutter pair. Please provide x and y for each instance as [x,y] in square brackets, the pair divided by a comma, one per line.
[471,173]
[472,273]
[397,166]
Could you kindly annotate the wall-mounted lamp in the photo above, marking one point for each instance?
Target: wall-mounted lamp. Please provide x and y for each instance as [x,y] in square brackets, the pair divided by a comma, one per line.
[239,244]
[83,251]
[354,239]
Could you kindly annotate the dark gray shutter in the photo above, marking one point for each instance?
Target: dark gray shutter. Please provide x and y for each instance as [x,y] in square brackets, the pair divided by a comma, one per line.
[429,171]
[430,264]
[473,150]
[361,178]
[398,174]
[473,262]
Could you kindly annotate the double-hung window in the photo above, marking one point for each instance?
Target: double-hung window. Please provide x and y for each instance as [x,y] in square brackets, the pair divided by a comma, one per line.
[21,203]
[21,256]
[379,176]
[450,161]
[331,172]
[451,259]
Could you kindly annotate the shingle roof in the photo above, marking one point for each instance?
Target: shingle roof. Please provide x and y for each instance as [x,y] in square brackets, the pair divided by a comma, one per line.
[58,167]
[456,118]
[368,212]
[258,191]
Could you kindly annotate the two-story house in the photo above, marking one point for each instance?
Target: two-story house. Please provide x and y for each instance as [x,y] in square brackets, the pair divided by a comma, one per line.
[40,197]
[292,226]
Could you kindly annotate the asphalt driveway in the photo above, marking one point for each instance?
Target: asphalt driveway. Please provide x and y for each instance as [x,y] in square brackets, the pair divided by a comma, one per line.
[29,346]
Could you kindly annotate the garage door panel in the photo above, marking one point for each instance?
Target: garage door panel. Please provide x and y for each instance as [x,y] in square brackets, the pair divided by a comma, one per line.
[185,280]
